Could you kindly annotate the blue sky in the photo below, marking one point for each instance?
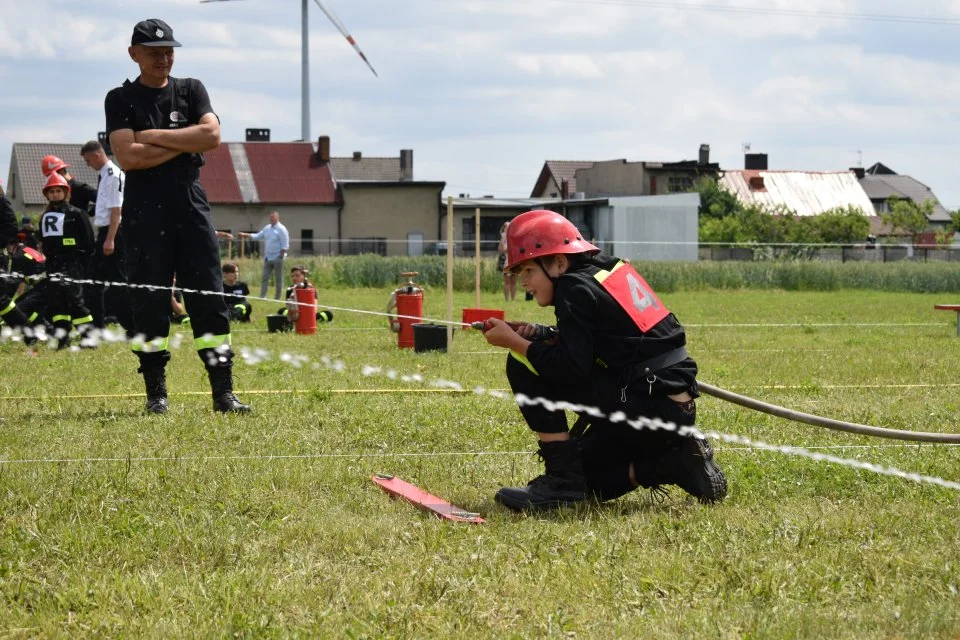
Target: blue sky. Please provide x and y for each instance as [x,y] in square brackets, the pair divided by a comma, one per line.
[485,90]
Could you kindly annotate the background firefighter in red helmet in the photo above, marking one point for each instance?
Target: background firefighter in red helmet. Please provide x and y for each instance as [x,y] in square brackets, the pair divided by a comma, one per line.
[615,347]
[67,238]
[82,195]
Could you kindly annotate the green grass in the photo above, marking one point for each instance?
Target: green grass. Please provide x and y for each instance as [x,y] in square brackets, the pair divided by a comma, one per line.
[218,538]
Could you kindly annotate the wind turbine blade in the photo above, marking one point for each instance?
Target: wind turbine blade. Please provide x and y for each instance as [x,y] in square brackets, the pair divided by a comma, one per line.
[346,34]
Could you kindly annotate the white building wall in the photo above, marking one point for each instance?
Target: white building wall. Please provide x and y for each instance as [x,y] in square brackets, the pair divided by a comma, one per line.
[653,227]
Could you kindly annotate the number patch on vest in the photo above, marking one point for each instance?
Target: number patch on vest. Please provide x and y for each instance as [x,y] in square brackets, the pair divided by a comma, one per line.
[634,295]
[52,224]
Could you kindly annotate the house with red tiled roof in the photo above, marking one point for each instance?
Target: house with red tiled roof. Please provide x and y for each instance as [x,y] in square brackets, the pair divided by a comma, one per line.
[329,205]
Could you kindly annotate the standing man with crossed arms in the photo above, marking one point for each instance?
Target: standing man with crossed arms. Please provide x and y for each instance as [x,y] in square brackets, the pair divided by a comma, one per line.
[275,248]
[159,127]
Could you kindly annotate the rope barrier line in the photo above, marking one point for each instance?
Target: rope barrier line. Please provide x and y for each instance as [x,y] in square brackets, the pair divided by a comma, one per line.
[399,454]
[782,325]
[750,443]
[444,321]
[251,392]
[170,288]
[857,386]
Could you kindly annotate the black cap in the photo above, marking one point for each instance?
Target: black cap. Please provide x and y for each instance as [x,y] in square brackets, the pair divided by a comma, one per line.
[153,32]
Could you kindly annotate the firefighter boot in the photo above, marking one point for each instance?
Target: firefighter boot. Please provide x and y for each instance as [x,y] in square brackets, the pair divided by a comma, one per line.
[690,466]
[13,317]
[155,380]
[562,482]
[221,385]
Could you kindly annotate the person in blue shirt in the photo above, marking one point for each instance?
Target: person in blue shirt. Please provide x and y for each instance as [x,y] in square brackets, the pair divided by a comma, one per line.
[276,245]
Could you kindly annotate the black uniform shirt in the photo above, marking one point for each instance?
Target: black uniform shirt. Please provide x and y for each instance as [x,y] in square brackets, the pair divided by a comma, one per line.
[8,222]
[66,232]
[236,293]
[137,107]
[83,196]
[598,341]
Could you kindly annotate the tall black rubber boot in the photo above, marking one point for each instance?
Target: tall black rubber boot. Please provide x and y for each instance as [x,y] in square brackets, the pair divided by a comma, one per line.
[221,386]
[561,484]
[690,466]
[155,381]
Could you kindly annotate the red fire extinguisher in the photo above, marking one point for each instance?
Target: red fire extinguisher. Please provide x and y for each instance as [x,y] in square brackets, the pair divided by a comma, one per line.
[306,323]
[407,301]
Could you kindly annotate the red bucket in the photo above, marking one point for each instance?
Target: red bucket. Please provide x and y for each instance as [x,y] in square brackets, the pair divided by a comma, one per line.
[481,315]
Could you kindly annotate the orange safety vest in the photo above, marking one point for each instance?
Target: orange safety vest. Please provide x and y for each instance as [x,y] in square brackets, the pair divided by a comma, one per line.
[633,294]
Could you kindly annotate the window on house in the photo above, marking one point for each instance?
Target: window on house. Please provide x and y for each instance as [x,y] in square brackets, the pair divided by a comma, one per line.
[306,241]
[489,233]
[679,184]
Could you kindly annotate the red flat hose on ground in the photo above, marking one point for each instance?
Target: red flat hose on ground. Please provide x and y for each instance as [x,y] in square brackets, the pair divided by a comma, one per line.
[829,423]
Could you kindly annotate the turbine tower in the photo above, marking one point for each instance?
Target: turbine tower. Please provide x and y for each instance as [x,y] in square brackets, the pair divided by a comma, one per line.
[305,57]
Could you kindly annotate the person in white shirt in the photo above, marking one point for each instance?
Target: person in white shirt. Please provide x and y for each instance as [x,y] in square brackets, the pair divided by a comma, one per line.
[107,263]
[275,247]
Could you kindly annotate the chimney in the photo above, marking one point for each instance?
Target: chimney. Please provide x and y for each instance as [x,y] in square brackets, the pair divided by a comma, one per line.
[357,156]
[756,183]
[104,141]
[860,172]
[755,162]
[564,189]
[258,135]
[323,149]
[406,165]
[704,154]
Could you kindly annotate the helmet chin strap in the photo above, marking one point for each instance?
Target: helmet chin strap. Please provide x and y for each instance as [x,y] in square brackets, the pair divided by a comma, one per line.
[543,266]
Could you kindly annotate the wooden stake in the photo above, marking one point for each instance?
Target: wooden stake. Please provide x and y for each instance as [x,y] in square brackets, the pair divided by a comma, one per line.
[449,272]
[476,276]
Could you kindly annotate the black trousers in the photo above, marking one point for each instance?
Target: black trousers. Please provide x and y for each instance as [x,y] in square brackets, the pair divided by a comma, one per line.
[65,304]
[167,230]
[607,448]
[108,300]
[34,304]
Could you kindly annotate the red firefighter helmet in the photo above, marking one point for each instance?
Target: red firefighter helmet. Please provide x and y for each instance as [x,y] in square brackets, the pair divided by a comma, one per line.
[57,180]
[539,233]
[52,164]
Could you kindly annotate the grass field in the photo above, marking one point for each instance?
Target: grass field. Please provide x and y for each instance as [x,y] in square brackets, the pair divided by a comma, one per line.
[190,524]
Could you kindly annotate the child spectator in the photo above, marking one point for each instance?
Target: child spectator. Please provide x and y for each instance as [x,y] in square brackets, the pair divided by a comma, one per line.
[235,293]
[292,310]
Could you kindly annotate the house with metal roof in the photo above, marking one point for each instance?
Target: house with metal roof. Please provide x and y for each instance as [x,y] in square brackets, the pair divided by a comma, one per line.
[806,193]
[881,183]
[329,205]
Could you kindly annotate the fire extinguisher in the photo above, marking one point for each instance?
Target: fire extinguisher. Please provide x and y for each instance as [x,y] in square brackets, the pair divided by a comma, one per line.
[407,302]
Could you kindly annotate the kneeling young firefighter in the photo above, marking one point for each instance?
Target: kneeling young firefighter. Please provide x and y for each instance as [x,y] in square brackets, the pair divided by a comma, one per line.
[615,347]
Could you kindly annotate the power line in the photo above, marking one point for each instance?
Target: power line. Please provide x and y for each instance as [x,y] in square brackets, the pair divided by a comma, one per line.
[770,11]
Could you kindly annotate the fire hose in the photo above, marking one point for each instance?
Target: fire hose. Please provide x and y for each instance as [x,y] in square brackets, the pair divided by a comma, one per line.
[542,332]
[829,423]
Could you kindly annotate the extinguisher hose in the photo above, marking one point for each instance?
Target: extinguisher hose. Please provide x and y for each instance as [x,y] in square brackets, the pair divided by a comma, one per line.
[828,423]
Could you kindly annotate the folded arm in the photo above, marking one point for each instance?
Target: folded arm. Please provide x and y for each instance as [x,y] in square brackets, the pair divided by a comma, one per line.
[133,155]
[198,138]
